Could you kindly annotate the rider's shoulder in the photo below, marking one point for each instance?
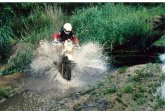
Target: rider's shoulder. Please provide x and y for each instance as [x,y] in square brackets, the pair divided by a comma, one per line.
[62,29]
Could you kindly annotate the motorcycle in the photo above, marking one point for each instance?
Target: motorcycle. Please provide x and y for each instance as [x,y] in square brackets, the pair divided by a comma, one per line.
[67,60]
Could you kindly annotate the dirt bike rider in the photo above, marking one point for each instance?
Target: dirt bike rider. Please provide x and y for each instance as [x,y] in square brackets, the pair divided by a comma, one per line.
[66,33]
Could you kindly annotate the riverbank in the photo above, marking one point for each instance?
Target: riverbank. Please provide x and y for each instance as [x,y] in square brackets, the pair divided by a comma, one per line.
[127,89]
[9,85]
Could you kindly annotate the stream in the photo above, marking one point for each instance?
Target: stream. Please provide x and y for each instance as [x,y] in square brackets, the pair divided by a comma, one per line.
[43,85]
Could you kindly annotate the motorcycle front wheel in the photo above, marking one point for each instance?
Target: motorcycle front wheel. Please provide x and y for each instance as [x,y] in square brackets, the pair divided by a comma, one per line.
[66,68]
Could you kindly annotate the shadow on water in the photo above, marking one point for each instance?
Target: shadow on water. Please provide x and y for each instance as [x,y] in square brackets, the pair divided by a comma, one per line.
[129,57]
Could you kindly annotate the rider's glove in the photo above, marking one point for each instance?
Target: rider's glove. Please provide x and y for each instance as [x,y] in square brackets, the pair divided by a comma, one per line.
[55,41]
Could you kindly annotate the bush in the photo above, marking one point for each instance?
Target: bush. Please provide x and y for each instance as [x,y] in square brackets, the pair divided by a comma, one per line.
[115,24]
[51,20]
[5,92]
[20,59]
[129,88]
[5,42]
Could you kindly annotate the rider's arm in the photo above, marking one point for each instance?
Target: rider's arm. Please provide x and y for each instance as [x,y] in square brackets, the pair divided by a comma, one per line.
[56,36]
[75,39]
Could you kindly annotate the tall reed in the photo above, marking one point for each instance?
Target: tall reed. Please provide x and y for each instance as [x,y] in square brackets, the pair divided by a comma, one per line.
[115,24]
[39,25]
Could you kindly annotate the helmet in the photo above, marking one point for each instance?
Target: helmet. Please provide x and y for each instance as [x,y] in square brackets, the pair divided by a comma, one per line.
[68,27]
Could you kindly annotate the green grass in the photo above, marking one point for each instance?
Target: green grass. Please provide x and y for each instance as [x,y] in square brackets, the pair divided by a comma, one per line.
[133,91]
[5,92]
[5,42]
[115,24]
[161,41]
[161,102]
[51,20]
[110,90]
[122,69]
[20,59]
[40,24]
[129,88]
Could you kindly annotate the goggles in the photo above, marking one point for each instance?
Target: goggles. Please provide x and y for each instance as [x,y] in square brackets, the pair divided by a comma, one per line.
[67,32]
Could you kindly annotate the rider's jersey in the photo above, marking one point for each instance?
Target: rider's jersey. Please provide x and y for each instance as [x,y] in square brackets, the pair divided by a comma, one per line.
[62,36]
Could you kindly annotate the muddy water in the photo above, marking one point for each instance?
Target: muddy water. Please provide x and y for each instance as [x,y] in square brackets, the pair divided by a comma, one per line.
[43,84]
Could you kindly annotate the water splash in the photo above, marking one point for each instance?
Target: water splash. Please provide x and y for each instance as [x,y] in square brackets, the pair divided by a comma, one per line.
[162,88]
[90,66]
[162,58]
[45,83]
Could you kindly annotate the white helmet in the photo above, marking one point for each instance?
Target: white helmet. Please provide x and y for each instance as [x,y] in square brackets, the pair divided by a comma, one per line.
[68,27]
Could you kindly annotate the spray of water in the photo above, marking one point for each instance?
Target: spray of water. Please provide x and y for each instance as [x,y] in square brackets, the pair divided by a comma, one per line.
[44,82]
[162,58]
[90,66]
[162,89]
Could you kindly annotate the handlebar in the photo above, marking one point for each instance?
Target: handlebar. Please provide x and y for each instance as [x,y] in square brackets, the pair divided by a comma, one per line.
[56,44]
[59,43]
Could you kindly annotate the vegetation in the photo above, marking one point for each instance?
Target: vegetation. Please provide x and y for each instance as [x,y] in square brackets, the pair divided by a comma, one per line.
[126,31]
[28,30]
[5,41]
[116,24]
[161,41]
[110,24]
[9,85]
[4,92]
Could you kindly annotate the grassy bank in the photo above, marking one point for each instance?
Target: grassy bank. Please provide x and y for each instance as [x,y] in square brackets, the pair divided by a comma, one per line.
[9,85]
[127,89]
